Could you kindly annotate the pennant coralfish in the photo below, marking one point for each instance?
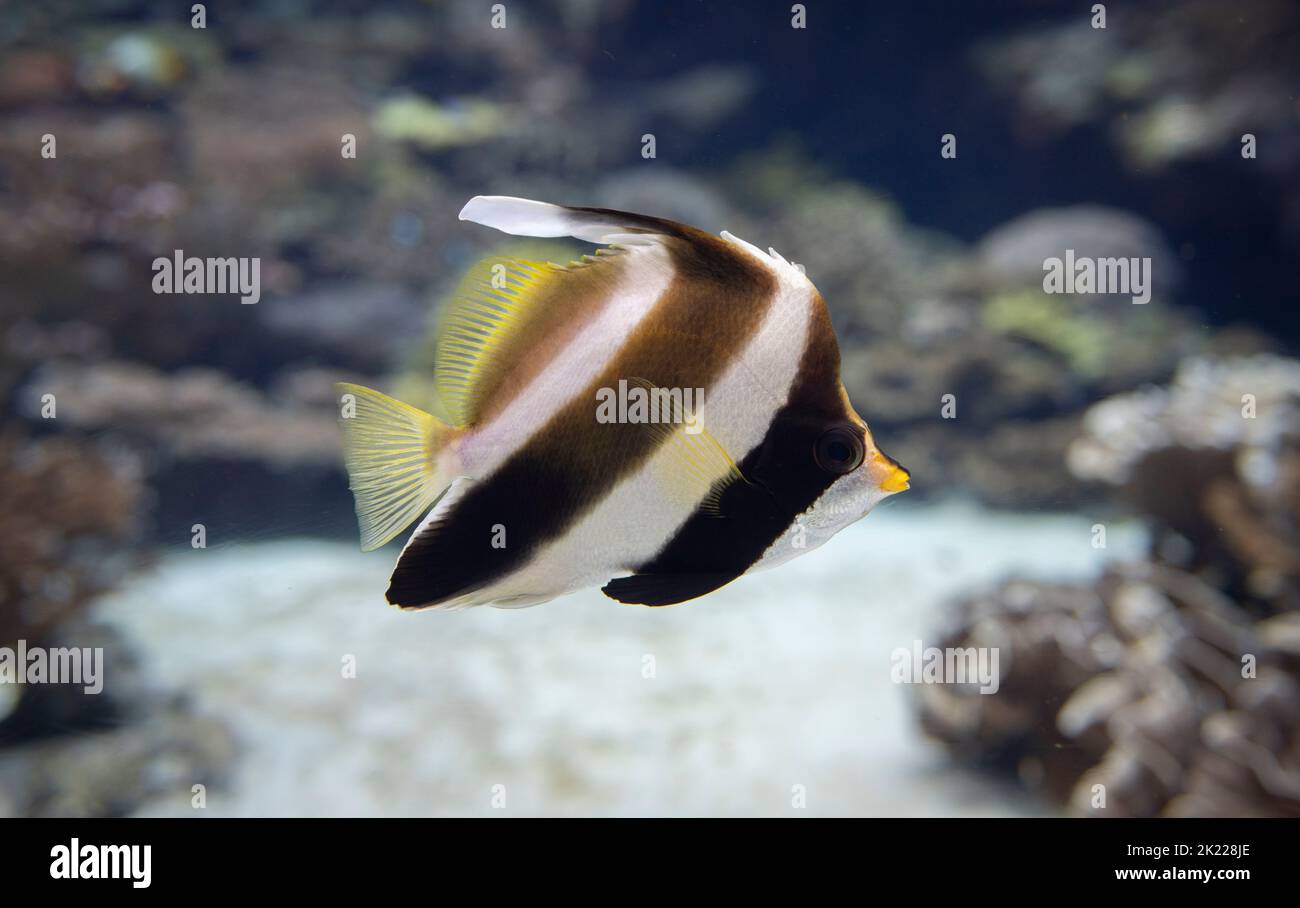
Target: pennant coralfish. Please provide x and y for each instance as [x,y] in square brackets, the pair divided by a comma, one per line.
[656,419]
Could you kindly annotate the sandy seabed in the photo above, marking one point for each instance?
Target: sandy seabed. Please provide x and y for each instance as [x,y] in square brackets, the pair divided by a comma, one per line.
[774,687]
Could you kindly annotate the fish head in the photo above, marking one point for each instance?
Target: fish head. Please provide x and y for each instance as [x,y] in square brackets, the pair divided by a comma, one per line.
[824,471]
[859,475]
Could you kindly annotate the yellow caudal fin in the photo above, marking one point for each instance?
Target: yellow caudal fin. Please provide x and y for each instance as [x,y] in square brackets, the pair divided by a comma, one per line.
[391,451]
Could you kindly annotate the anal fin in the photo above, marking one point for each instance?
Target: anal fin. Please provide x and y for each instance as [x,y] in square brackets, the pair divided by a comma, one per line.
[664,589]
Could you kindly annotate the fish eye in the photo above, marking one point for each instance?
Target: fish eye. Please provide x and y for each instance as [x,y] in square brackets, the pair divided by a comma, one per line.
[839,450]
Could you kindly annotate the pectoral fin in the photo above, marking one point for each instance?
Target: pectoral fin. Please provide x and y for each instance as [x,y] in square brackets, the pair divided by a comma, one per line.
[692,467]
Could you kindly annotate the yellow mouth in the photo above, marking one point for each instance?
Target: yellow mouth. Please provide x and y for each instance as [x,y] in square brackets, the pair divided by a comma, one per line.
[894,478]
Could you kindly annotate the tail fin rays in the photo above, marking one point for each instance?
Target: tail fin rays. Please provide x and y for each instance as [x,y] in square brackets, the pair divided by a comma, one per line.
[391,451]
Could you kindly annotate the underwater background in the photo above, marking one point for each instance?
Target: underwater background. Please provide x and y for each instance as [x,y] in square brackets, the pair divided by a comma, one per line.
[1108,494]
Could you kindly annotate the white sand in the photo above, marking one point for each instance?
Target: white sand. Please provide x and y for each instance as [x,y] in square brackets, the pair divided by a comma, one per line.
[779,680]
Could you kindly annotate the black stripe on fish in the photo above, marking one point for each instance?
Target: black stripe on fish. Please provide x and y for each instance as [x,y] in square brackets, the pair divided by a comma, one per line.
[784,481]
[718,297]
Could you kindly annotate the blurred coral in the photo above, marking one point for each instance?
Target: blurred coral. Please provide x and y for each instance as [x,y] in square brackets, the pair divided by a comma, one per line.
[71,754]
[1172,79]
[1151,684]
[1214,459]
[68,513]
[1171,684]
[192,414]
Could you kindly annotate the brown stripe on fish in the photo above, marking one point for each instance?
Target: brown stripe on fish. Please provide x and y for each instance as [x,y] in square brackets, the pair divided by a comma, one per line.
[713,548]
[718,296]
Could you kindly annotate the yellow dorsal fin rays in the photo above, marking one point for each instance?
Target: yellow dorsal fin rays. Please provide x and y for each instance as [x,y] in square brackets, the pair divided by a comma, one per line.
[491,304]
[498,310]
[390,449]
[693,467]
[506,310]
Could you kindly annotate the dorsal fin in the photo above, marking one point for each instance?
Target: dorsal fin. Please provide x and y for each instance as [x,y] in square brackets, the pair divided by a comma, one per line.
[498,310]
[512,314]
[509,310]
[603,226]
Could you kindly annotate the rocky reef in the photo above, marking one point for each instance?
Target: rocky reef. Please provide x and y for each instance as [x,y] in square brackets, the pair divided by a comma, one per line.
[68,753]
[1214,460]
[70,512]
[1170,686]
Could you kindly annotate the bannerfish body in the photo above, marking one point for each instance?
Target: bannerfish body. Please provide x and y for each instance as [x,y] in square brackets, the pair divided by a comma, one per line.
[657,420]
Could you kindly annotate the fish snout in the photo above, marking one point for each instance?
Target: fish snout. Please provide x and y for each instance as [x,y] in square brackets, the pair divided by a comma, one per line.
[888,474]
